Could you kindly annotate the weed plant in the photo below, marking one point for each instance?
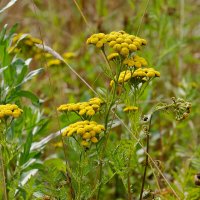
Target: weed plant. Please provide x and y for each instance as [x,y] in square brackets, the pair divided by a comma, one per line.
[105,137]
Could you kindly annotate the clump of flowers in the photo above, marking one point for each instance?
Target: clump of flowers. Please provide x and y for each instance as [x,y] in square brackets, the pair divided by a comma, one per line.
[53,62]
[135,61]
[88,131]
[120,42]
[10,110]
[56,62]
[136,76]
[23,42]
[88,108]
[133,69]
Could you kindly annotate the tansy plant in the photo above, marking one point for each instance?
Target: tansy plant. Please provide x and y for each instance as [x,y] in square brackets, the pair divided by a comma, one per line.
[25,44]
[20,124]
[128,76]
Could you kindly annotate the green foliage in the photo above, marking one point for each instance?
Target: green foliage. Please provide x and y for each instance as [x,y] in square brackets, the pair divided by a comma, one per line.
[39,164]
[18,135]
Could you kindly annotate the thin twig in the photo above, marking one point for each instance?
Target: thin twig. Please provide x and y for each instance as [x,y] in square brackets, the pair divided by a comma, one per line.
[146,165]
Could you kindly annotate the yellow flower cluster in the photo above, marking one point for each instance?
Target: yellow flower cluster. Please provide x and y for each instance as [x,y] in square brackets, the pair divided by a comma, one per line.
[26,42]
[87,130]
[28,39]
[121,42]
[130,108]
[83,108]
[53,62]
[68,55]
[11,110]
[141,74]
[56,62]
[135,61]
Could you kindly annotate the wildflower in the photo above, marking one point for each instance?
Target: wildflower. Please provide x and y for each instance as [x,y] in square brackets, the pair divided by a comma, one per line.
[10,110]
[82,112]
[94,140]
[28,42]
[117,47]
[112,43]
[132,47]
[83,108]
[90,112]
[124,51]
[68,55]
[86,135]
[138,75]
[88,131]
[36,40]
[130,108]
[85,143]
[58,144]
[135,61]
[121,42]
[99,44]
[112,56]
[53,62]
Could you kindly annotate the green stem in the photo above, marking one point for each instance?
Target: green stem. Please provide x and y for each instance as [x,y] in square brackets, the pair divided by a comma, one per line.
[106,132]
[129,181]
[3,168]
[147,158]
[81,175]
[3,174]
[102,154]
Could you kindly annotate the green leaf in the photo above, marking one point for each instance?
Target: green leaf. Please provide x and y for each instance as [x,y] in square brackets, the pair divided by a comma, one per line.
[20,70]
[31,74]
[23,93]
[2,69]
[3,32]
[25,155]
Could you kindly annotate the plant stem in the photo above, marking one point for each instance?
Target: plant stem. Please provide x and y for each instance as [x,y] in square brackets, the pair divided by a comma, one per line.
[102,154]
[145,169]
[147,158]
[129,181]
[106,132]
[81,174]
[3,174]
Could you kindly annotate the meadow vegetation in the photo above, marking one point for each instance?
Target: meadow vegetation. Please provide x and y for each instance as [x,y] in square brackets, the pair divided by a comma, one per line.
[99,100]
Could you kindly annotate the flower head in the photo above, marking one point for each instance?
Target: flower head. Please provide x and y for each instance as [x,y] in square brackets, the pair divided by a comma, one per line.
[10,110]
[88,108]
[137,75]
[112,56]
[88,131]
[121,42]
[130,108]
